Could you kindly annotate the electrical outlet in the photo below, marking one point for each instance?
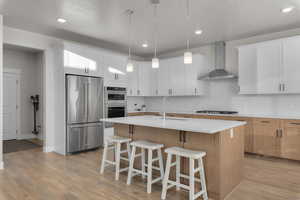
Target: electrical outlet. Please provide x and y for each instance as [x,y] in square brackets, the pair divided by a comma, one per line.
[231,133]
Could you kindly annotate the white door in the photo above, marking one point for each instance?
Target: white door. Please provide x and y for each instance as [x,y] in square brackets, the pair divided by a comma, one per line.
[269,67]
[291,63]
[9,106]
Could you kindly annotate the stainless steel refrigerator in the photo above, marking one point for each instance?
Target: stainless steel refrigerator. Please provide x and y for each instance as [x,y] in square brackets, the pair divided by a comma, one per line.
[84,97]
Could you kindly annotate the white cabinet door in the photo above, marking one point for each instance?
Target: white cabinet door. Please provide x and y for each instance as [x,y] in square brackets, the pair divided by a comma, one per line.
[144,78]
[192,85]
[133,81]
[291,65]
[269,61]
[248,69]
[111,78]
[163,78]
[153,82]
[176,76]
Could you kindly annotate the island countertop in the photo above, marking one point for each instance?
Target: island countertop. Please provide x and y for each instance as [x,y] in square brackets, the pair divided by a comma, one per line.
[209,126]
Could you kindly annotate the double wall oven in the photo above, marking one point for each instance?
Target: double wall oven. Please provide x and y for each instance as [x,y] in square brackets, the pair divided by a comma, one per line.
[115,103]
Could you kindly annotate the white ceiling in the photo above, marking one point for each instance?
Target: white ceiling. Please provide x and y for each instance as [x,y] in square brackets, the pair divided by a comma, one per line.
[104,22]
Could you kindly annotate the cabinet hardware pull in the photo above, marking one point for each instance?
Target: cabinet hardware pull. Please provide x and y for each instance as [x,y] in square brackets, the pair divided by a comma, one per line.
[179,136]
[281,132]
[195,90]
[283,87]
[279,87]
[294,123]
[265,121]
[277,133]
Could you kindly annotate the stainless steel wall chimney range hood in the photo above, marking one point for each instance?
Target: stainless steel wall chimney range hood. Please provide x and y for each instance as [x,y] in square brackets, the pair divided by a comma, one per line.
[219,72]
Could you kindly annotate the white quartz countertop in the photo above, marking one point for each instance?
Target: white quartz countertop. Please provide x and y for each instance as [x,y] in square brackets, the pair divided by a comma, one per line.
[209,126]
[275,116]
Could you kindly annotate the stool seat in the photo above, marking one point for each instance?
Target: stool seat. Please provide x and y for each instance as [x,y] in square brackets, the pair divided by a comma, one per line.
[118,139]
[185,152]
[146,145]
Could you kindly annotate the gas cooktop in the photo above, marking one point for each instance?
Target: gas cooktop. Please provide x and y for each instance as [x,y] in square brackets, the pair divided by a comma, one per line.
[217,112]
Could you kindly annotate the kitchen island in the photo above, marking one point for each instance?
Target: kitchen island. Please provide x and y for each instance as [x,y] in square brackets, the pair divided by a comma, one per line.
[223,141]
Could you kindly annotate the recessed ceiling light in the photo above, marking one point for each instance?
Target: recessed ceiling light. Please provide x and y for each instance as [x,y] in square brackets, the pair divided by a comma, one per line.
[61,20]
[145,45]
[198,32]
[287,9]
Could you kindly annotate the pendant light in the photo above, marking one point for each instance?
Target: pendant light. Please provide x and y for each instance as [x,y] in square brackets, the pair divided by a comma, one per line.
[155,60]
[129,66]
[188,56]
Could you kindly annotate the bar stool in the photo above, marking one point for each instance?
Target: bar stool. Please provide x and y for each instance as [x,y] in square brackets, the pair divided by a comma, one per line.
[144,145]
[192,156]
[115,143]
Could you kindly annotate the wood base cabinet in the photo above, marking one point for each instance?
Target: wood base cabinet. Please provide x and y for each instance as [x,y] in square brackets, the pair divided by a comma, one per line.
[290,139]
[266,140]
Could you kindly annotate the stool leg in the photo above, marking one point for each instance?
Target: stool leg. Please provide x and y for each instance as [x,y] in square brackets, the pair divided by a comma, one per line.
[132,156]
[166,177]
[128,150]
[117,157]
[161,164]
[177,172]
[202,179]
[104,157]
[192,181]
[149,176]
[143,162]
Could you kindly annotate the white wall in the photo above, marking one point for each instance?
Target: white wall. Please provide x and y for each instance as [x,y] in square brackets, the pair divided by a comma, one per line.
[1,91]
[223,95]
[52,112]
[30,84]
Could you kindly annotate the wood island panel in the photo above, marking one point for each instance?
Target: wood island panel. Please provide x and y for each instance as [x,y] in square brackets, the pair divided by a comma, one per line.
[225,154]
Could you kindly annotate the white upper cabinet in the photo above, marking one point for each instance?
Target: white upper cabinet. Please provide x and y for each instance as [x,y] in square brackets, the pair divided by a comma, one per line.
[163,88]
[114,70]
[248,70]
[176,76]
[291,65]
[269,64]
[270,67]
[80,65]
[193,86]
[133,81]
[172,78]
[144,83]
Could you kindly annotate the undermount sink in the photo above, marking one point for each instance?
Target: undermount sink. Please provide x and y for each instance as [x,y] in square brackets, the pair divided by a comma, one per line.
[172,118]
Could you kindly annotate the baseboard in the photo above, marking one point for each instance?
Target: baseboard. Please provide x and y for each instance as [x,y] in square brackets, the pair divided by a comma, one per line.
[26,136]
[1,165]
[48,149]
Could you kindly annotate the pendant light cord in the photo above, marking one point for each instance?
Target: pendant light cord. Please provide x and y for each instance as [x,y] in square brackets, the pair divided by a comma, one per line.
[188,16]
[129,33]
[155,29]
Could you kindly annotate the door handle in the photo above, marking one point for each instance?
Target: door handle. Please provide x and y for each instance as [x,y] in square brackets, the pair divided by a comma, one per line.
[281,132]
[279,87]
[283,87]
[277,133]
[294,123]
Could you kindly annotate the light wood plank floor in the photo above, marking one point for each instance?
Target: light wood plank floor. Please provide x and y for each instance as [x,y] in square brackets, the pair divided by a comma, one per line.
[33,175]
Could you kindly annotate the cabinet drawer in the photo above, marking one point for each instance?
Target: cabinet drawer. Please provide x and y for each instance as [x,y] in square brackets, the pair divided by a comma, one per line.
[265,121]
[291,123]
